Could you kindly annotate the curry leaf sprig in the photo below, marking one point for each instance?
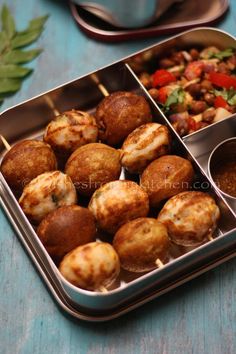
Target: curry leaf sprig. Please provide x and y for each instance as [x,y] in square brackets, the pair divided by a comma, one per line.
[12,52]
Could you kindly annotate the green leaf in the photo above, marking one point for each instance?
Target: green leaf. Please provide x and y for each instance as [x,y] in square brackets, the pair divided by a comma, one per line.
[24,38]
[223,54]
[232,97]
[228,95]
[11,74]
[13,71]
[18,56]
[177,96]
[37,23]
[232,100]
[8,23]
[3,41]
[9,85]
[222,93]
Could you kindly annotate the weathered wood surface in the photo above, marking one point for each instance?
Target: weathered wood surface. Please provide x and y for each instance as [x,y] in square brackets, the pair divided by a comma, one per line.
[197,318]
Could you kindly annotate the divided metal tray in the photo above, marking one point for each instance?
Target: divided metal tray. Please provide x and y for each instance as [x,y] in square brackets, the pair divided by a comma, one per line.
[135,289]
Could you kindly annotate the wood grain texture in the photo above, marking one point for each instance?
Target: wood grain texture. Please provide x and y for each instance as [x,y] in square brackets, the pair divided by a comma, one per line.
[197,318]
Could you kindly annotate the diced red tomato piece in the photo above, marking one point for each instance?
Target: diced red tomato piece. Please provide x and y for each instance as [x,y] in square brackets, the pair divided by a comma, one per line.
[192,124]
[194,70]
[162,95]
[162,77]
[222,80]
[220,102]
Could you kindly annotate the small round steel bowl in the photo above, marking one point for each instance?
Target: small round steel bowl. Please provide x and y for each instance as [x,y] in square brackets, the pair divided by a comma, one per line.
[127,14]
[223,153]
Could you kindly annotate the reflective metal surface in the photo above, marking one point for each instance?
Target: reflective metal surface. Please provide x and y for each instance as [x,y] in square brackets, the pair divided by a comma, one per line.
[223,152]
[128,14]
[179,17]
[202,143]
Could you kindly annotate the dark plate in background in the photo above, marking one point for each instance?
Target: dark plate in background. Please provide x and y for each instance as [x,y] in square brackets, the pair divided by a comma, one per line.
[190,13]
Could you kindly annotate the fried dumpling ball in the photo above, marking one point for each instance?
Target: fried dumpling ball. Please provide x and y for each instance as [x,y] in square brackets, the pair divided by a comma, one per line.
[25,161]
[118,202]
[190,217]
[145,144]
[93,165]
[140,243]
[166,177]
[66,228]
[46,193]
[119,114]
[69,130]
[92,266]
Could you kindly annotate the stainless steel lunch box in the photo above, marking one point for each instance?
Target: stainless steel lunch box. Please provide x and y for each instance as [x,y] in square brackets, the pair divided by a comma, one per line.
[133,289]
[129,14]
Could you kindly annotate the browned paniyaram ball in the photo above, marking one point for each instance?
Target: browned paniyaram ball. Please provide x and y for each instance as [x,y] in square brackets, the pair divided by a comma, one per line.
[145,144]
[66,228]
[166,177]
[190,217]
[140,243]
[118,202]
[25,161]
[119,114]
[69,130]
[93,266]
[93,165]
[45,193]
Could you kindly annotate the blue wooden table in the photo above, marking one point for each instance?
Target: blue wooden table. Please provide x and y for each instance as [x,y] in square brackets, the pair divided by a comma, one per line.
[198,318]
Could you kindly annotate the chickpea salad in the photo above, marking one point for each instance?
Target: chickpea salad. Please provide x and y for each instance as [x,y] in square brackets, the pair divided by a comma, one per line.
[194,88]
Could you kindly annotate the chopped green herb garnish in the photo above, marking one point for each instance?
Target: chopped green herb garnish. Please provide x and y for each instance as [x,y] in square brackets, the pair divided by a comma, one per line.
[222,54]
[232,100]
[228,95]
[177,96]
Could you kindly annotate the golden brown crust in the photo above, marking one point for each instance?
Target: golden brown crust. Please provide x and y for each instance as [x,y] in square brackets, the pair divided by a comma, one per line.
[119,114]
[143,145]
[70,130]
[166,177]
[190,217]
[93,165]
[91,266]
[140,242]
[25,161]
[46,193]
[66,228]
[118,202]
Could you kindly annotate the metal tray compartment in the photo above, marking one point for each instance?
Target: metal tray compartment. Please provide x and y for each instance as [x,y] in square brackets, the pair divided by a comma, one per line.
[135,289]
[203,142]
[201,37]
